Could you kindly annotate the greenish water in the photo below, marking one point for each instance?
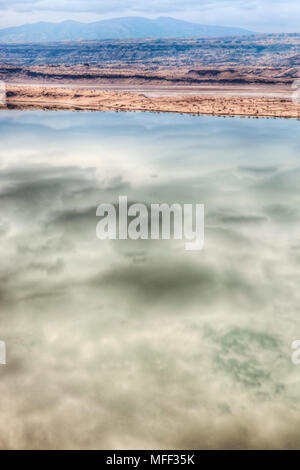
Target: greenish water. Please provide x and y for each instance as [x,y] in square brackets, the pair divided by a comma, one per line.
[141,344]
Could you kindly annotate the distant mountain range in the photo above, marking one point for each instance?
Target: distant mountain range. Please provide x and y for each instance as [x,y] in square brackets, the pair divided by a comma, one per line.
[117,28]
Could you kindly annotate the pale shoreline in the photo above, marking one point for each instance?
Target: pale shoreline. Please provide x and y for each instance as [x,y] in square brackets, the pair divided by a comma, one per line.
[247,101]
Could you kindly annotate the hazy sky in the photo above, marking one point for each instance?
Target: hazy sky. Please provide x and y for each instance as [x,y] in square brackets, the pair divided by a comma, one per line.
[258,15]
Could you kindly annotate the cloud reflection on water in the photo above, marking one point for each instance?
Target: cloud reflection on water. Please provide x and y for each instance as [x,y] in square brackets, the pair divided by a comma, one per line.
[141,344]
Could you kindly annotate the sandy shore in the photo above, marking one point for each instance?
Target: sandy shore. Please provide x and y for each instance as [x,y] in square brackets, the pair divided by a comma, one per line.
[217,100]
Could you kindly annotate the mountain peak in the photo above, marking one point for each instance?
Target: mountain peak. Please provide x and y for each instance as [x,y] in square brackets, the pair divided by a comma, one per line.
[133,27]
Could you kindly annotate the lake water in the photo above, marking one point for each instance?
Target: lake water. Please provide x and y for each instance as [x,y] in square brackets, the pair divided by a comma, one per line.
[142,344]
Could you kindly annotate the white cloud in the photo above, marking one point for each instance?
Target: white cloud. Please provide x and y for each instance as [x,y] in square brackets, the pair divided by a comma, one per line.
[260,15]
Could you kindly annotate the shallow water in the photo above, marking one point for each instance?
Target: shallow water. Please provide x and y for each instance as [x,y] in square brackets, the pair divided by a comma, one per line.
[141,344]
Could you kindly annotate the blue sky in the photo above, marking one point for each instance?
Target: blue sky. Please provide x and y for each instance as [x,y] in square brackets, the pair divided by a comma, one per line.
[258,15]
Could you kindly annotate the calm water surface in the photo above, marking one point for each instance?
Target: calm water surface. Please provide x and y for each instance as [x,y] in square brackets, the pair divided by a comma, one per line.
[123,344]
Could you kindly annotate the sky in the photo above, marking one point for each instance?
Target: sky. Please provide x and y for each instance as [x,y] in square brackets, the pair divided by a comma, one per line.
[257,15]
